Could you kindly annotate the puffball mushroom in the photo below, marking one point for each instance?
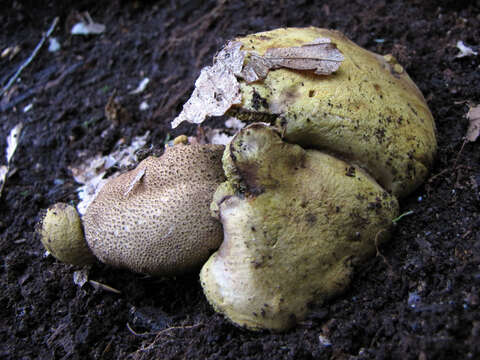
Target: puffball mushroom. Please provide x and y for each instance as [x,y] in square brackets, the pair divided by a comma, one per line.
[62,235]
[295,221]
[155,219]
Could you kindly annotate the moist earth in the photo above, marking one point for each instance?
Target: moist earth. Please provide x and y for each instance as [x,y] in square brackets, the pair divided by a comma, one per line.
[417,299]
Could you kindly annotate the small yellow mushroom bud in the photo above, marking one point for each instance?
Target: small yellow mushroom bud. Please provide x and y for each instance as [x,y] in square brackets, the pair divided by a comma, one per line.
[62,235]
[181,139]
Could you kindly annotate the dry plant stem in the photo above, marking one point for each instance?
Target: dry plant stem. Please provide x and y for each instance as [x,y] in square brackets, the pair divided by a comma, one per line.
[159,334]
[31,57]
[378,250]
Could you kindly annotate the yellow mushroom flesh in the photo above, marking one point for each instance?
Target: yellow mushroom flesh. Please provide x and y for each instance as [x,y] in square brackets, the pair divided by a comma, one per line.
[295,221]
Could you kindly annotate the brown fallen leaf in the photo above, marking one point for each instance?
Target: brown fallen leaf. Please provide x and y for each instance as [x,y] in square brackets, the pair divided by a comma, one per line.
[473,117]
[320,55]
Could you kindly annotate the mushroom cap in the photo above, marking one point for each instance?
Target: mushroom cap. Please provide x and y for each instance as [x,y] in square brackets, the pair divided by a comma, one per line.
[62,235]
[369,112]
[295,221]
[155,219]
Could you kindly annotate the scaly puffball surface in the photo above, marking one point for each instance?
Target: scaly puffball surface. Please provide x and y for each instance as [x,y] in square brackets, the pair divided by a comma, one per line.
[155,219]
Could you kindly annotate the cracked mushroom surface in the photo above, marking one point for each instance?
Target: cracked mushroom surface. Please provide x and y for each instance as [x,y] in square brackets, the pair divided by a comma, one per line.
[155,219]
[295,222]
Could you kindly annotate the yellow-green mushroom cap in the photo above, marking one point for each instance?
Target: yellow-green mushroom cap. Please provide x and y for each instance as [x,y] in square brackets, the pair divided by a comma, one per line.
[155,219]
[369,112]
[62,235]
[295,221]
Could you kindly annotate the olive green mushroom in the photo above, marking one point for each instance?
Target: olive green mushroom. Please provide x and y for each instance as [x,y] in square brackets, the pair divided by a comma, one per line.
[295,222]
[369,111]
[62,235]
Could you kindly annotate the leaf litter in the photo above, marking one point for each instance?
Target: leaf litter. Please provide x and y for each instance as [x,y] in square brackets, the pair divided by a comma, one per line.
[217,88]
[91,173]
[473,117]
[12,143]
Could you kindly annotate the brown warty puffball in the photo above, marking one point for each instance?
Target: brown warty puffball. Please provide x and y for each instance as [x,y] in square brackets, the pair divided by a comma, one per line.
[155,219]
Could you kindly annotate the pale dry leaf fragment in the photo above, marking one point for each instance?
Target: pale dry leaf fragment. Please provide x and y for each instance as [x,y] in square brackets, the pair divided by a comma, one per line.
[217,87]
[3,176]
[87,26]
[232,57]
[80,277]
[217,136]
[320,55]
[141,87]
[216,90]
[92,172]
[464,50]
[256,69]
[473,117]
[234,123]
[135,181]
[54,45]
[12,141]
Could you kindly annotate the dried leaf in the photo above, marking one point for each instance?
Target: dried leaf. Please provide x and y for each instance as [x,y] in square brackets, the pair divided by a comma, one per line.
[135,181]
[256,69]
[217,87]
[321,55]
[91,173]
[231,56]
[141,87]
[234,123]
[80,277]
[3,176]
[12,141]
[464,50]
[216,90]
[473,117]
[54,45]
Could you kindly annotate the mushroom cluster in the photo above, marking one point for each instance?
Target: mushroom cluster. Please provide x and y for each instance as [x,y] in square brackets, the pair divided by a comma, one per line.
[154,219]
[297,198]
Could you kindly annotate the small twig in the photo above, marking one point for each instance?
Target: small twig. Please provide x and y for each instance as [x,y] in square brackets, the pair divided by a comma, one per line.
[458,154]
[139,334]
[30,58]
[378,251]
[158,335]
[107,349]
[397,219]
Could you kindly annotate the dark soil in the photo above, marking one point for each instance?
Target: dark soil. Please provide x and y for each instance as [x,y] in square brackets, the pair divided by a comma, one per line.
[419,299]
